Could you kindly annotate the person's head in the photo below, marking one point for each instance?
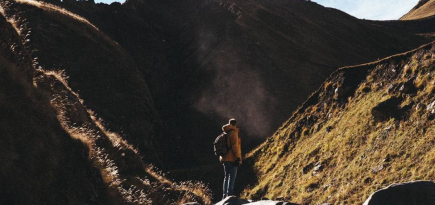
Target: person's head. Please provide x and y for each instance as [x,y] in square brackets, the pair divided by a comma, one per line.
[232,122]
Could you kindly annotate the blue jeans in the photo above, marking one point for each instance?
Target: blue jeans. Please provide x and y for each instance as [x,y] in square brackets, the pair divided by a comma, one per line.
[230,169]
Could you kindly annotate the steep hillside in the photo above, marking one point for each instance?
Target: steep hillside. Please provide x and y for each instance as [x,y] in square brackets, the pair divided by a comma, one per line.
[424,9]
[366,127]
[40,163]
[57,149]
[98,68]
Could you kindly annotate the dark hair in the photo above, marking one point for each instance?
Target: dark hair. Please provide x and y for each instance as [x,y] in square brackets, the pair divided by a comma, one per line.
[233,121]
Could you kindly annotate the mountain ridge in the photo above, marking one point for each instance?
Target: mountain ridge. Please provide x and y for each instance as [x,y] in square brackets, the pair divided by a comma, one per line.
[423,9]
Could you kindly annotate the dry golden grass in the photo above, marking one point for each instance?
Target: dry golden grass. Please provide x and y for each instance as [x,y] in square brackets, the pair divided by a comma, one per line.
[358,154]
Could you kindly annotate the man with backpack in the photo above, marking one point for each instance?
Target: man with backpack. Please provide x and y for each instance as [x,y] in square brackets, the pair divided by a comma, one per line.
[233,158]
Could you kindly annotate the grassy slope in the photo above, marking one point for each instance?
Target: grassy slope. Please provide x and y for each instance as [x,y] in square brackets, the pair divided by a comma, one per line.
[424,9]
[40,163]
[360,148]
[55,140]
[98,68]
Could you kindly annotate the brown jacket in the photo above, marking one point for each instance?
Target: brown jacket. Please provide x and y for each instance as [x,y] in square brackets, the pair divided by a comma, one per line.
[234,142]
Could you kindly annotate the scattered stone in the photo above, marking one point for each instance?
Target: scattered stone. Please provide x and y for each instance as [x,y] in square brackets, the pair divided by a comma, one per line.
[317,168]
[430,106]
[410,193]
[390,89]
[338,93]
[307,168]
[378,168]
[402,88]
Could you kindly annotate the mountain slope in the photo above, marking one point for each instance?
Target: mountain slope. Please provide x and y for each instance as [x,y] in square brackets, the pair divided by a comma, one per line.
[253,53]
[102,73]
[253,60]
[57,150]
[366,127]
[40,163]
[424,9]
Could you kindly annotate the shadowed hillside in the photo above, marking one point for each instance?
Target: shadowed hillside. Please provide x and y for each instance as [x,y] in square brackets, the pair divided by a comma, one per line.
[98,68]
[366,127]
[255,61]
[57,148]
[40,163]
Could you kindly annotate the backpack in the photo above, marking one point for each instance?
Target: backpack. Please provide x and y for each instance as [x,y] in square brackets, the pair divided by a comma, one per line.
[220,145]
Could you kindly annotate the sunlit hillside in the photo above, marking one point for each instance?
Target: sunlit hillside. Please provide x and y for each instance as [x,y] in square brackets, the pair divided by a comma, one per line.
[367,126]
[424,9]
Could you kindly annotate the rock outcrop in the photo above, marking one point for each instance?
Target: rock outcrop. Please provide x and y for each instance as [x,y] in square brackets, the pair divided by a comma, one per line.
[410,193]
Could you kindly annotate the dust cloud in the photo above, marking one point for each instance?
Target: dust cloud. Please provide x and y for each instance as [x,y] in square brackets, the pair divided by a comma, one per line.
[237,91]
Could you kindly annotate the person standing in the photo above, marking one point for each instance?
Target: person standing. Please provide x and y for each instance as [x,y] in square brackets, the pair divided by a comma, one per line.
[233,158]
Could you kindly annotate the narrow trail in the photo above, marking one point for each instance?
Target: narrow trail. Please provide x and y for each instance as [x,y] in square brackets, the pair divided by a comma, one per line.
[121,166]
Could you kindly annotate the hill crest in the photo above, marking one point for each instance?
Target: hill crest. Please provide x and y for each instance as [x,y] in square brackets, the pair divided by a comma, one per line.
[423,9]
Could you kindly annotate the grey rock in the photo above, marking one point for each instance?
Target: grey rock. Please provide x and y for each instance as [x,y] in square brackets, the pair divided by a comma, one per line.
[232,200]
[410,193]
[378,168]
[270,202]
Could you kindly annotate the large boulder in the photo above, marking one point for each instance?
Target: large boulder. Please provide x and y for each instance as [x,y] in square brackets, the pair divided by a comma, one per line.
[410,193]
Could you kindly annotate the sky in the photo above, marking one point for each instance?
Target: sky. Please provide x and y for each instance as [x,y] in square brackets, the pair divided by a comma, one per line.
[372,9]
[363,9]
